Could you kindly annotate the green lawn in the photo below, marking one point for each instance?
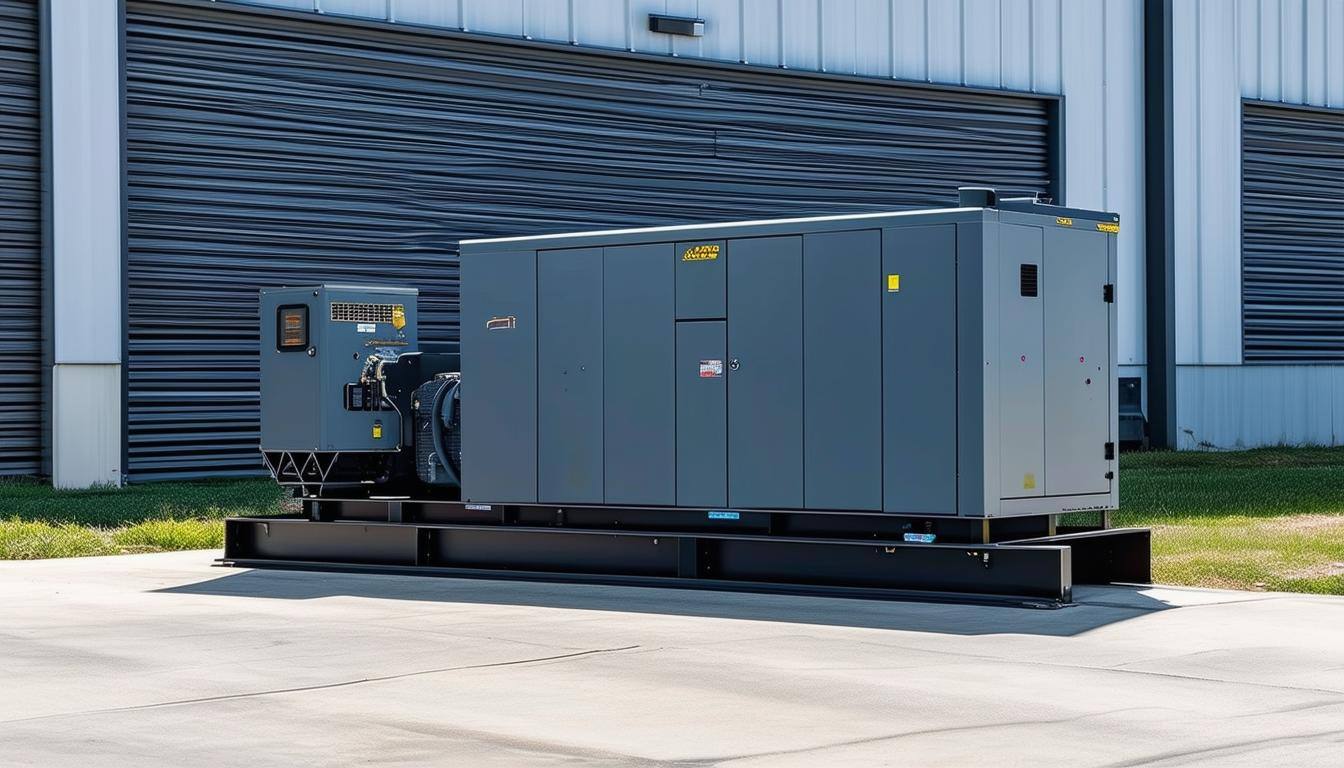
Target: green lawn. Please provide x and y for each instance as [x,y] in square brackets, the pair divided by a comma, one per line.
[36,521]
[1264,519]
[1271,518]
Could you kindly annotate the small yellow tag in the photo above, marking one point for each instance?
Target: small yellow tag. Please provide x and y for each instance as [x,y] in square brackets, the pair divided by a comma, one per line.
[398,317]
[1113,229]
[377,431]
[1064,221]
[893,283]
[1029,481]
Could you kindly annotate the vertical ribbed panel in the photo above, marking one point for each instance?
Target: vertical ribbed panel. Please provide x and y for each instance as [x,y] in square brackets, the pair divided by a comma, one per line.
[285,149]
[1292,234]
[20,241]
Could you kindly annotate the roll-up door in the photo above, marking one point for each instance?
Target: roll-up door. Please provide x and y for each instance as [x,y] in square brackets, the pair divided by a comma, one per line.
[268,148]
[20,242]
[1292,231]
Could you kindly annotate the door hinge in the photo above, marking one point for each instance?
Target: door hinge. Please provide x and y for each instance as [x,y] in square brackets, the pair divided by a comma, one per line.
[1110,451]
[1108,293]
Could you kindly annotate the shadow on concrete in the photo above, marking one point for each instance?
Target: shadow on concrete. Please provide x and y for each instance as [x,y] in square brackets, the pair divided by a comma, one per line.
[1095,607]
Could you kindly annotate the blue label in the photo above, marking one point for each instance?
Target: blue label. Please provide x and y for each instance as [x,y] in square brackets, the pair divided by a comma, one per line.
[919,538]
[724,516]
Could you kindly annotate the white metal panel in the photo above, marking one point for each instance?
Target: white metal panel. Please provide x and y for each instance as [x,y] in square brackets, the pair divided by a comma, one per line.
[872,38]
[723,37]
[547,20]
[433,13]
[909,40]
[500,17]
[980,41]
[761,41]
[1292,38]
[944,43]
[1185,186]
[1271,78]
[799,37]
[1085,103]
[85,177]
[1316,32]
[1047,55]
[1219,183]
[1230,407]
[600,23]
[86,423]
[1334,57]
[364,9]
[1124,189]
[1015,44]
[1248,46]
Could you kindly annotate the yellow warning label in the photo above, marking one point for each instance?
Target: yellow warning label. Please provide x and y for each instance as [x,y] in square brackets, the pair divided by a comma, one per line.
[893,283]
[1064,221]
[1029,481]
[1104,226]
[377,431]
[398,316]
[706,252]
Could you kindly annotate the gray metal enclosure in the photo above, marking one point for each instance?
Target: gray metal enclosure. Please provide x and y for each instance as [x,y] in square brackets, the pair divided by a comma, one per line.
[955,362]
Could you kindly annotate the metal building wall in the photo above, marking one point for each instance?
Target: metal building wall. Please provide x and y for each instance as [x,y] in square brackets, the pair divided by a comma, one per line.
[20,241]
[1289,51]
[1089,51]
[265,149]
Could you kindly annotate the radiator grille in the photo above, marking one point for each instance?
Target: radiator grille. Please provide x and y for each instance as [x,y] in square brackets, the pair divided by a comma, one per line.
[351,312]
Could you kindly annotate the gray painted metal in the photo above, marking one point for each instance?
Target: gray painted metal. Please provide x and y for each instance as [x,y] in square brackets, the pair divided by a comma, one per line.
[960,318]
[499,403]
[919,370]
[702,414]
[1292,234]
[765,373]
[1021,373]
[569,376]
[21,330]
[702,280]
[842,370]
[1078,411]
[266,149]
[302,404]
[639,421]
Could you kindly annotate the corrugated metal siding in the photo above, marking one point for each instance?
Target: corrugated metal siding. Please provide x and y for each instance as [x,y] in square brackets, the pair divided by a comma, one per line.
[1090,51]
[1292,234]
[275,149]
[20,241]
[1289,51]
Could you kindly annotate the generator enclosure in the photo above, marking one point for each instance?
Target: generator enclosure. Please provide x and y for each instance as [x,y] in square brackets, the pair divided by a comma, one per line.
[950,362]
[315,343]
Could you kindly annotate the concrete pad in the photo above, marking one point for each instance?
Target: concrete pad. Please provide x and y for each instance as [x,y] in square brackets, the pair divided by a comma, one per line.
[162,660]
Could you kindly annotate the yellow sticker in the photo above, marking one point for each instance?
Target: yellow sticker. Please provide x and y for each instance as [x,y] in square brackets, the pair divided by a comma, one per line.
[893,283]
[377,431]
[1113,229]
[1029,481]
[1064,221]
[398,316]
[706,252]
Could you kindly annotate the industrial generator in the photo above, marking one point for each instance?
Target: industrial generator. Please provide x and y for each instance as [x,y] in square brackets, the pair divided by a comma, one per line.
[910,403]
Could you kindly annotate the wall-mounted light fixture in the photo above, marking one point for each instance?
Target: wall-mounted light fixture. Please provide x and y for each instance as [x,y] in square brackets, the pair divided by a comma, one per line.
[676,25]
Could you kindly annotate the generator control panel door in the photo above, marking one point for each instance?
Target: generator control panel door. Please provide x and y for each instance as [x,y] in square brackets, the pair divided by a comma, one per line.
[702,414]
[765,373]
[1077,362]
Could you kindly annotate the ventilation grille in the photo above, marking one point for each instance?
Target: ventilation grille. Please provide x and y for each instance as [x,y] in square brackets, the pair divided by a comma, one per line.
[350,312]
[1029,280]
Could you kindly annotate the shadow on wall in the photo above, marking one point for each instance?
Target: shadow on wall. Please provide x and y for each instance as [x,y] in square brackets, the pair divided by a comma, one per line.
[1096,607]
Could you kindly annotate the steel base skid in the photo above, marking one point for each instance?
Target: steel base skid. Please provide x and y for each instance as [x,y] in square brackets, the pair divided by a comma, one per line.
[1022,561]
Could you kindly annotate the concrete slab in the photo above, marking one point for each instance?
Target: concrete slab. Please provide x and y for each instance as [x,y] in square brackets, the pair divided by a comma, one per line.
[161,660]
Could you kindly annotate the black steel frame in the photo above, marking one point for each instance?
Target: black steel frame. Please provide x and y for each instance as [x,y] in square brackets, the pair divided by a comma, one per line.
[1023,561]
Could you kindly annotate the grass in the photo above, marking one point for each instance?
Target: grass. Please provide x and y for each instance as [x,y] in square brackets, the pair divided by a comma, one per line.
[37,521]
[1271,518]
